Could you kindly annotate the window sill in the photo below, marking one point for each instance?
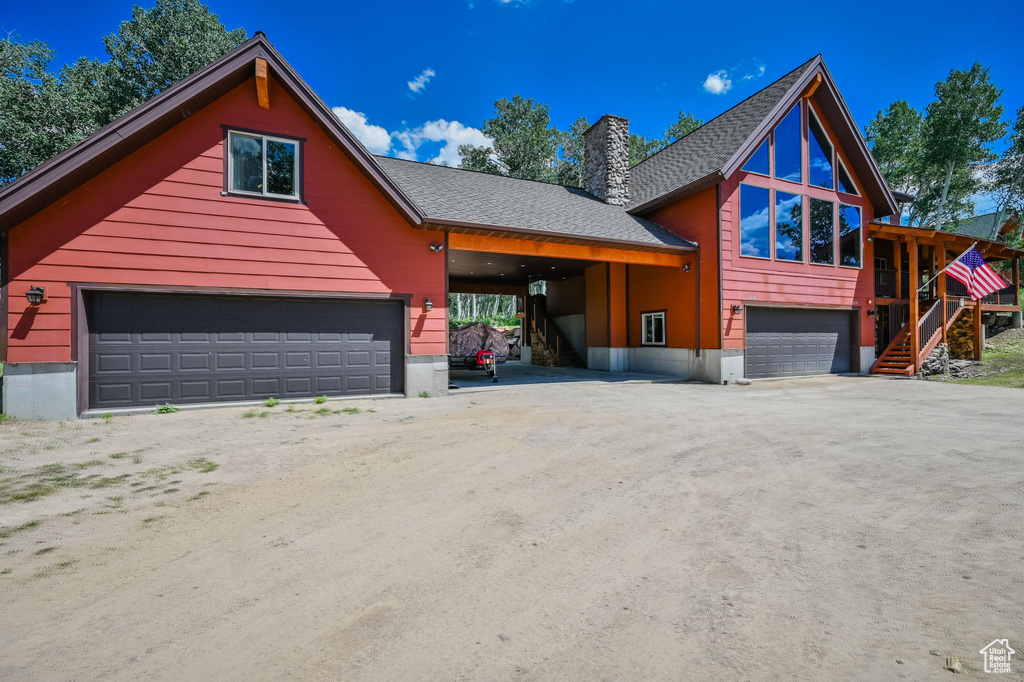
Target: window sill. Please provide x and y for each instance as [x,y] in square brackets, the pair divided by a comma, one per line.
[656,345]
[263,197]
[765,258]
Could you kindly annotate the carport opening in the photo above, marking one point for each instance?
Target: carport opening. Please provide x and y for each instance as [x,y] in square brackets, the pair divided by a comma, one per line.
[537,304]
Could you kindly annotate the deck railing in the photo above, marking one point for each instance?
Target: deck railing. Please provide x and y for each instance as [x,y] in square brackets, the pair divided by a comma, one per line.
[885,283]
[953,306]
[1005,296]
[930,323]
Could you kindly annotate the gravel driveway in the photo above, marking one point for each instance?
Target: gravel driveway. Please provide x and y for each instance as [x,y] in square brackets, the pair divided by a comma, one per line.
[819,529]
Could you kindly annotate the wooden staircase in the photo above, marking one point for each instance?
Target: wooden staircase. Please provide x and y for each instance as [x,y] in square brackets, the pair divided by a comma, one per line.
[554,344]
[897,359]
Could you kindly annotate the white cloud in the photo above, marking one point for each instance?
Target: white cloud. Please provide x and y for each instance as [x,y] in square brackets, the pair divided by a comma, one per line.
[450,133]
[419,82]
[751,76]
[718,83]
[374,138]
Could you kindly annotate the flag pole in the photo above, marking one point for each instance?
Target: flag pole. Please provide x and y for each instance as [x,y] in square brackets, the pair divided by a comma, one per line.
[929,282]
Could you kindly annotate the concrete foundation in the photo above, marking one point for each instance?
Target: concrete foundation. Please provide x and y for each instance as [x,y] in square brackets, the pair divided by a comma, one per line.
[867,358]
[41,390]
[1016,321]
[713,365]
[426,374]
[526,355]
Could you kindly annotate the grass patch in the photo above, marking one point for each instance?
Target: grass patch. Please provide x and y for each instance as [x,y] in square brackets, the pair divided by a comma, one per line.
[68,563]
[46,550]
[324,411]
[1008,361]
[108,417]
[93,440]
[171,490]
[30,493]
[320,399]
[424,394]
[5,571]
[23,527]
[203,465]
[166,408]
[73,513]
[87,464]
[271,402]
[49,447]
[119,455]
[198,496]
[5,418]
[116,502]
[249,414]
[350,410]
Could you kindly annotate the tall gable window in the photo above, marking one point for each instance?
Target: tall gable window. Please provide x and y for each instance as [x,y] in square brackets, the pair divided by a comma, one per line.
[788,158]
[789,226]
[755,228]
[758,161]
[819,154]
[849,235]
[262,165]
[823,237]
[846,183]
[808,211]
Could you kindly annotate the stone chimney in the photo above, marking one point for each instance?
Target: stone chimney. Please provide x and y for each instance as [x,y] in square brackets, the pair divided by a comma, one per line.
[606,160]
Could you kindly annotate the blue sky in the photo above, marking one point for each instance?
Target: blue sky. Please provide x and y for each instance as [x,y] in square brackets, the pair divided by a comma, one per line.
[642,60]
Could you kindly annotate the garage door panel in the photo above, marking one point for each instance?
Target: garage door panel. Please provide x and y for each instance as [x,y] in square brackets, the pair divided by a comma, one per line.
[795,342]
[207,348]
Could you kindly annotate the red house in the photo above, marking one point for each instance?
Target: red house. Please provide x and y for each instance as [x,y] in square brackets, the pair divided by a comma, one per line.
[231,240]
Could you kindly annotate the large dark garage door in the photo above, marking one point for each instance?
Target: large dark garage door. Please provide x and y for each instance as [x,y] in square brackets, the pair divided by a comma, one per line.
[146,349]
[784,342]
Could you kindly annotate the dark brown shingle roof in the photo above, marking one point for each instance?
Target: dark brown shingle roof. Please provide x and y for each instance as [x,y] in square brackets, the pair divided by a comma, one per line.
[454,195]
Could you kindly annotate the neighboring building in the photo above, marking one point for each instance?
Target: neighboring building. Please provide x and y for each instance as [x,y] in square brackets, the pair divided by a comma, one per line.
[230,240]
[985,227]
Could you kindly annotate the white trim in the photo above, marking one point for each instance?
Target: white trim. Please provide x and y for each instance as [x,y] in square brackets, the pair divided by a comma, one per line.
[643,328]
[263,142]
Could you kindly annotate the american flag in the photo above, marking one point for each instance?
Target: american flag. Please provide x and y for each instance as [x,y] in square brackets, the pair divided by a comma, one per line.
[971,269]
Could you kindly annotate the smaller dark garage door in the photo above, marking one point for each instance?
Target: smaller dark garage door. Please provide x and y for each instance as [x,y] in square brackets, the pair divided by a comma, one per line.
[784,342]
[147,349]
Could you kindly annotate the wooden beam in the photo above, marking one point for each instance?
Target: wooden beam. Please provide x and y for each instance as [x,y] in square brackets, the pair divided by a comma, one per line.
[897,263]
[940,287]
[915,302]
[262,86]
[979,345]
[1016,281]
[813,85]
[599,254]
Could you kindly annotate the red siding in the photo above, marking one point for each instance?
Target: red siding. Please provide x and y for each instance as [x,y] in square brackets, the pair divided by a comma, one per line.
[696,218]
[746,280]
[158,218]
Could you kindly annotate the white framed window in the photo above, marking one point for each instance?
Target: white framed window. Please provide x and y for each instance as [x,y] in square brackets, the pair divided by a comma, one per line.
[654,328]
[263,165]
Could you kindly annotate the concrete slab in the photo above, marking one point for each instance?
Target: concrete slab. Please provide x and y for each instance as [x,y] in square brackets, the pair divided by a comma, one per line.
[514,374]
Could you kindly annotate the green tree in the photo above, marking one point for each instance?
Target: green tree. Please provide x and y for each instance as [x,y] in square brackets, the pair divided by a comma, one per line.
[569,170]
[42,112]
[1006,180]
[895,139]
[960,127]
[158,47]
[524,145]
[640,148]
[685,125]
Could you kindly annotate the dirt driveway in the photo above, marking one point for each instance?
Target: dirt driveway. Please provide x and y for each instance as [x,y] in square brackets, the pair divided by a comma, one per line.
[821,529]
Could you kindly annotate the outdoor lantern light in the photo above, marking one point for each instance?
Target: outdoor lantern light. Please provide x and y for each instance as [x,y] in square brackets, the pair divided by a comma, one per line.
[436,248]
[871,313]
[35,295]
[686,268]
[736,309]
[428,305]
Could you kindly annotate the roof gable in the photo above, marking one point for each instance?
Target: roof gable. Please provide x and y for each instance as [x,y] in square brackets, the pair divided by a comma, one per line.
[54,178]
[718,148]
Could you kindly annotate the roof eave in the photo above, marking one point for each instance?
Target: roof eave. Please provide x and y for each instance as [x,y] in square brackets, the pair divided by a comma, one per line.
[447,225]
[654,204]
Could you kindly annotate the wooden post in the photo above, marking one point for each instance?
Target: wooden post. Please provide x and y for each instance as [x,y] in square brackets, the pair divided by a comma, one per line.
[897,251]
[1016,282]
[940,287]
[915,305]
[262,87]
[978,343]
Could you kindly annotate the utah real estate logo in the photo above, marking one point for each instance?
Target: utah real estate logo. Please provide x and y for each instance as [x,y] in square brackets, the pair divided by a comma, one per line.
[997,656]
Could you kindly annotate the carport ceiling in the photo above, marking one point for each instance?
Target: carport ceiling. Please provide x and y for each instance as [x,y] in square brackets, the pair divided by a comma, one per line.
[499,268]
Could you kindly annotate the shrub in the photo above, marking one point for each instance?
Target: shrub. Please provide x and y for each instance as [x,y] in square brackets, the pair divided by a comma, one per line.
[320,399]
[271,402]
[166,408]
